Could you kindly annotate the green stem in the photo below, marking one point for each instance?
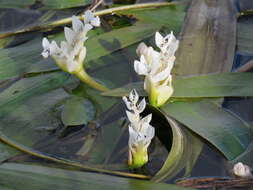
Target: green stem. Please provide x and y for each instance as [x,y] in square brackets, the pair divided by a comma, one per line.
[98,13]
[152,95]
[84,77]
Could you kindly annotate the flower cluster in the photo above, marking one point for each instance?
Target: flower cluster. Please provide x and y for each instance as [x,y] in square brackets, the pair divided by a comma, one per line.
[71,53]
[140,131]
[156,67]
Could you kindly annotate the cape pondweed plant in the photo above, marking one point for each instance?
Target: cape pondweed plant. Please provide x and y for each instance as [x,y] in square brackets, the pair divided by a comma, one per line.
[72,52]
[140,131]
[156,67]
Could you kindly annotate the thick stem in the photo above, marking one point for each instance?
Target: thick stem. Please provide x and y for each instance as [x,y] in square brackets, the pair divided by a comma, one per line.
[84,77]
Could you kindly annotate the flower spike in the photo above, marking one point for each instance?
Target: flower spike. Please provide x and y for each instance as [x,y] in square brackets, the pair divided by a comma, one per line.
[140,131]
[71,53]
[156,67]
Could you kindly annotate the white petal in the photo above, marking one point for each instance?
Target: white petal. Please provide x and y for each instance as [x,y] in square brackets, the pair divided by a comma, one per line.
[170,38]
[133,118]
[159,39]
[133,135]
[45,43]
[129,105]
[141,49]
[74,51]
[69,35]
[95,21]
[154,58]
[54,49]
[77,24]
[147,119]
[140,67]
[88,16]
[171,50]
[167,81]
[87,28]
[64,48]
[142,105]
[82,54]
[124,98]
[162,75]
[147,82]
[134,96]
[45,53]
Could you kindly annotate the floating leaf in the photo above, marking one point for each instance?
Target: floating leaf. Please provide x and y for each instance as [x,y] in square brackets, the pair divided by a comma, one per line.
[77,111]
[48,4]
[225,131]
[182,154]
[213,85]
[20,176]
[28,87]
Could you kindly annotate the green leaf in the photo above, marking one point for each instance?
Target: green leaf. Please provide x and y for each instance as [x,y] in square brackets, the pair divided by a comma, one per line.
[29,87]
[23,59]
[114,40]
[30,177]
[48,4]
[26,58]
[226,132]
[205,86]
[182,154]
[126,89]
[172,16]
[214,85]
[173,163]
[23,105]
[77,111]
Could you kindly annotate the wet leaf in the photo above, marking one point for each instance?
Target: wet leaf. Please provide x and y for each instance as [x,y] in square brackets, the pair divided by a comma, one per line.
[47,4]
[224,130]
[28,87]
[213,85]
[39,177]
[182,154]
[173,164]
[23,105]
[77,111]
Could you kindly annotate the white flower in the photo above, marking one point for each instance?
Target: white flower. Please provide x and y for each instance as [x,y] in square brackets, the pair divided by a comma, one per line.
[71,53]
[167,44]
[90,19]
[242,170]
[140,131]
[49,48]
[156,67]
